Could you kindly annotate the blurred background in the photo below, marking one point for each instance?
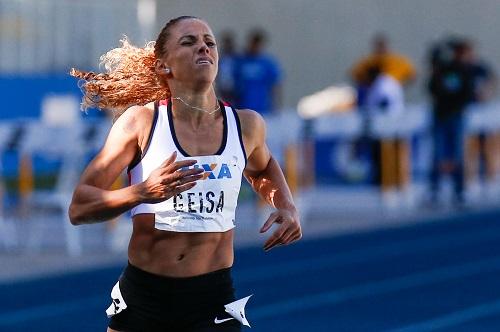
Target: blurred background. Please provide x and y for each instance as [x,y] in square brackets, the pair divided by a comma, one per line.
[385,116]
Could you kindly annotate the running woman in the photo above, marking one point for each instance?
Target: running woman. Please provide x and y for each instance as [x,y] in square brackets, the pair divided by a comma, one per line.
[186,153]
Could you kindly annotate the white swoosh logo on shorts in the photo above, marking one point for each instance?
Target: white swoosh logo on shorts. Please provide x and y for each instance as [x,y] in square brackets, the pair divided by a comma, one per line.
[218,321]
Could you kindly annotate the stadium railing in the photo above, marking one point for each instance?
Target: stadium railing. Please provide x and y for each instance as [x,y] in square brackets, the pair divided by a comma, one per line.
[289,138]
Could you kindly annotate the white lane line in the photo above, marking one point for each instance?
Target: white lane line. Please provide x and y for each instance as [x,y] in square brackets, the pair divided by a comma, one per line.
[289,305]
[391,250]
[454,318]
[376,288]
[267,272]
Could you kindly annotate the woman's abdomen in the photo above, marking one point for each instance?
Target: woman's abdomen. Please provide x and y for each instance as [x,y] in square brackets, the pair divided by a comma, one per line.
[178,254]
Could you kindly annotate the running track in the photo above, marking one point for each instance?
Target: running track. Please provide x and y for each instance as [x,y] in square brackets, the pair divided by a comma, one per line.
[434,276]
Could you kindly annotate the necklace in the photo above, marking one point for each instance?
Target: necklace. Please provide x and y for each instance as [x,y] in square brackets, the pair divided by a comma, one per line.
[197,108]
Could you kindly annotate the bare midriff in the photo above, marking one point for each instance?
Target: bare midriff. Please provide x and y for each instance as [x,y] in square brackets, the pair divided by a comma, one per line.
[177,254]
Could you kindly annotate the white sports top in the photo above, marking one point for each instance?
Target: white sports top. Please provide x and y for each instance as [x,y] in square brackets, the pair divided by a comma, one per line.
[210,205]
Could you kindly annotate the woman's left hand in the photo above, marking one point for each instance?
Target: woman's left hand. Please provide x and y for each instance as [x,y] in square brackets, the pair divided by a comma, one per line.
[289,229]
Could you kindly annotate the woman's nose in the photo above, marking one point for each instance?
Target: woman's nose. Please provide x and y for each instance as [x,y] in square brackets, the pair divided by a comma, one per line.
[203,48]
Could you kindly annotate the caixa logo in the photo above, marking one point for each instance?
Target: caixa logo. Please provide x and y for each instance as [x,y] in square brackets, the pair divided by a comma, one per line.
[212,173]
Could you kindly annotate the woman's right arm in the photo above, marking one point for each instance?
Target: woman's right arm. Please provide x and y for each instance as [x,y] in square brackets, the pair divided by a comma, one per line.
[93,201]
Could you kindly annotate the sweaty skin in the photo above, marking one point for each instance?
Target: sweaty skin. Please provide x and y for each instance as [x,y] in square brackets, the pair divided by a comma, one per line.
[191,60]
[173,253]
[183,254]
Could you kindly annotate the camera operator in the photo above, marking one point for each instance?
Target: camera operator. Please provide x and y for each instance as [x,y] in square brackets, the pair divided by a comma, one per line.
[451,87]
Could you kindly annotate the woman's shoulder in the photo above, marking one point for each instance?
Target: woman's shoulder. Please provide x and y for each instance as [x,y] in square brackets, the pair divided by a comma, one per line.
[136,121]
[139,110]
[250,119]
[140,114]
[252,123]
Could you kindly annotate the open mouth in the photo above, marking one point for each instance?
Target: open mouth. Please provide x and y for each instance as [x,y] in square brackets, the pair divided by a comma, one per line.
[204,61]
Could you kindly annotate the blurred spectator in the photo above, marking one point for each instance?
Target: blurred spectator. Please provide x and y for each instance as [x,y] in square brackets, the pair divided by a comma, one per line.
[257,77]
[384,93]
[483,75]
[452,88]
[480,148]
[395,65]
[227,63]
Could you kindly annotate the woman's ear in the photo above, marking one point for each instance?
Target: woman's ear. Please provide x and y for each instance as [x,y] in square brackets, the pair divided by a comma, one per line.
[161,68]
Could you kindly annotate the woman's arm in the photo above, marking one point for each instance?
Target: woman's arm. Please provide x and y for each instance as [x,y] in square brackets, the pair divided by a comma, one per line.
[93,201]
[266,178]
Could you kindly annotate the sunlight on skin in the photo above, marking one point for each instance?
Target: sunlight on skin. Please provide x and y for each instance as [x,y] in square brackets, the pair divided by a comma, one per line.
[271,195]
[265,187]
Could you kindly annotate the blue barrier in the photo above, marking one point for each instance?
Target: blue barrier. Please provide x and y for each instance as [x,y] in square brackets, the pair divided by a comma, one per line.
[26,93]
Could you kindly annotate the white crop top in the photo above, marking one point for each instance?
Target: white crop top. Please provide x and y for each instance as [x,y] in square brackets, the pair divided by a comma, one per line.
[210,205]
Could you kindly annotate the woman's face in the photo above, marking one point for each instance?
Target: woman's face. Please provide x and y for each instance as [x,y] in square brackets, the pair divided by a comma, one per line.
[191,52]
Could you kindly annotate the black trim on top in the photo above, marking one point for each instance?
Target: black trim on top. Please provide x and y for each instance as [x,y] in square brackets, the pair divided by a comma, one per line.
[137,159]
[240,135]
[174,136]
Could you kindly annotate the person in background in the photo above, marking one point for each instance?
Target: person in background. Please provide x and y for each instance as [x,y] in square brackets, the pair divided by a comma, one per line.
[451,87]
[483,75]
[384,93]
[480,148]
[390,63]
[227,62]
[257,77]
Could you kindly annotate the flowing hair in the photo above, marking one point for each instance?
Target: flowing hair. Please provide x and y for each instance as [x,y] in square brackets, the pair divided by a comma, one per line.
[129,77]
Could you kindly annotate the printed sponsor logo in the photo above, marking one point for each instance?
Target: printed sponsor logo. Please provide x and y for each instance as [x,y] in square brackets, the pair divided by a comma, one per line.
[218,321]
[212,173]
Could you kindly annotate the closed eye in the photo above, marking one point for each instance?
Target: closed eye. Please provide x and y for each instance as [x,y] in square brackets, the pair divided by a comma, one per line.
[187,40]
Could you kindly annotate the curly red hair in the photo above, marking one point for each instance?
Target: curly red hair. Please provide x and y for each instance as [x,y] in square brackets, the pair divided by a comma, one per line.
[129,77]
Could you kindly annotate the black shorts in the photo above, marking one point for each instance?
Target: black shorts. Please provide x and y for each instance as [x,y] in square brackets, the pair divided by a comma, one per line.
[158,303]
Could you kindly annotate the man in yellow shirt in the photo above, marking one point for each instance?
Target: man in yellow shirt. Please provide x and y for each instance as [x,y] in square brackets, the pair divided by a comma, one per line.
[393,64]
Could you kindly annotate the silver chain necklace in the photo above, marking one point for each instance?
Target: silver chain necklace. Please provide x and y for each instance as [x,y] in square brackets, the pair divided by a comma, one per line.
[197,108]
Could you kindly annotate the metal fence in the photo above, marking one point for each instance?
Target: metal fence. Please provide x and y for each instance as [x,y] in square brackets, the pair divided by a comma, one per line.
[72,143]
